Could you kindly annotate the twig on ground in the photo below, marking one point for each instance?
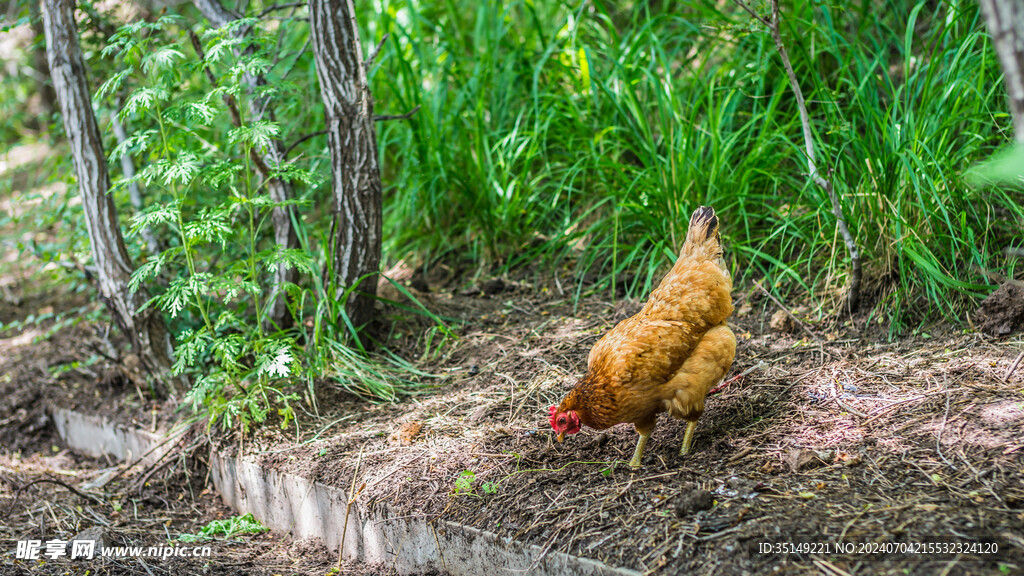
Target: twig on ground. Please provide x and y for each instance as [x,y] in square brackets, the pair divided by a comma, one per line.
[1013,367]
[830,568]
[72,489]
[788,313]
[352,495]
[884,409]
[849,408]
[760,364]
[938,437]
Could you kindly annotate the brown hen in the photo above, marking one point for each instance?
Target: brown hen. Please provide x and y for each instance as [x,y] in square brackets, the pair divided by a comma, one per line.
[667,356]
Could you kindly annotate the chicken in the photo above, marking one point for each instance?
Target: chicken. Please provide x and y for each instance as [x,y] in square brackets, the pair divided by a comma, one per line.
[667,356]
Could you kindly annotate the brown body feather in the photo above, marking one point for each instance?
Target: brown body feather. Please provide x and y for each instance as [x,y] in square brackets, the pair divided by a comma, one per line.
[671,353]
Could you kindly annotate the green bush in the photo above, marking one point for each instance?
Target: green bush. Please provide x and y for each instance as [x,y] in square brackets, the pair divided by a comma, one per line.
[213,278]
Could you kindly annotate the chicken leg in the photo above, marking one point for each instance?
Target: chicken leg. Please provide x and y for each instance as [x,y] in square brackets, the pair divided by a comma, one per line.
[644,430]
[638,454]
[707,365]
[691,425]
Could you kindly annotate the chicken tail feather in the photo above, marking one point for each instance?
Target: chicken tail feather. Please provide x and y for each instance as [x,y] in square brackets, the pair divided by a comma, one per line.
[703,237]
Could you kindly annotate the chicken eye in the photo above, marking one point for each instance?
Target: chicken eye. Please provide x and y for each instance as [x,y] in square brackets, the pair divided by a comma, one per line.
[561,420]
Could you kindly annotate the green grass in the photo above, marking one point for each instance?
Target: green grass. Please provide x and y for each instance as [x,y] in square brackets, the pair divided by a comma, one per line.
[580,135]
[225,529]
[554,136]
[565,134]
[558,133]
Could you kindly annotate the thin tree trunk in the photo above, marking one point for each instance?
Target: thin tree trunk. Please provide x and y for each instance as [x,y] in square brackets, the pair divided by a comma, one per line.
[773,23]
[355,169]
[145,329]
[264,161]
[134,192]
[46,94]
[1005,20]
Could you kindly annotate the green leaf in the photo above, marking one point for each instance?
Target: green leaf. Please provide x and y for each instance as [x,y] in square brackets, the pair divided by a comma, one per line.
[114,82]
[200,112]
[277,362]
[183,169]
[220,173]
[1005,167]
[293,173]
[290,257]
[141,101]
[150,268]
[161,59]
[464,482]
[137,142]
[191,344]
[259,134]
[208,225]
[181,291]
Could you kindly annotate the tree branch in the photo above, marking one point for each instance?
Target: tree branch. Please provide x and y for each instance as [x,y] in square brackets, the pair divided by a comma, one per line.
[215,12]
[379,118]
[303,139]
[275,7]
[752,13]
[385,118]
[376,50]
[772,23]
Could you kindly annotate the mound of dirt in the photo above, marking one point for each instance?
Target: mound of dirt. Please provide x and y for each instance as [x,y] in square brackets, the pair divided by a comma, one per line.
[1002,313]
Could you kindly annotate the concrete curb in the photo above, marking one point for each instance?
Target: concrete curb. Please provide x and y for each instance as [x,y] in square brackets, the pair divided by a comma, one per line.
[98,437]
[289,503]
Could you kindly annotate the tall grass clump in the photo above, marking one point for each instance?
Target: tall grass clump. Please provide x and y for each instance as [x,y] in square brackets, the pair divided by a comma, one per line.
[584,133]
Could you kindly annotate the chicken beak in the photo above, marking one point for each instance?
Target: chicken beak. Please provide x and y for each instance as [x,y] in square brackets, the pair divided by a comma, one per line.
[561,436]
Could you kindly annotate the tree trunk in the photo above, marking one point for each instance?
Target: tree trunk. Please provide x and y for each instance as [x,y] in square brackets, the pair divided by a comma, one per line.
[279,190]
[128,169]
[1005,20]
[145,329]
[47,97]
[355,171]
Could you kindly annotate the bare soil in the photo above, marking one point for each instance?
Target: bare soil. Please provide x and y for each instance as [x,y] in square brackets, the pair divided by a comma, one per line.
[1002,313]
[843,438]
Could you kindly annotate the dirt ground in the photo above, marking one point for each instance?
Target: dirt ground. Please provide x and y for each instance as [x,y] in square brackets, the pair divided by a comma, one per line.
[839,439]
[49,493]
[842,438]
